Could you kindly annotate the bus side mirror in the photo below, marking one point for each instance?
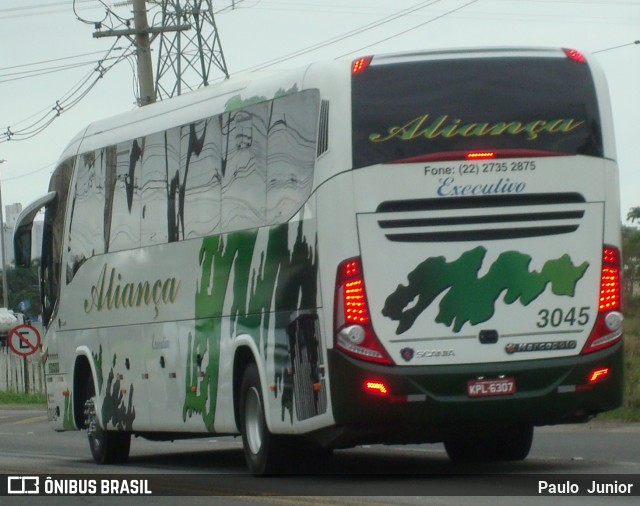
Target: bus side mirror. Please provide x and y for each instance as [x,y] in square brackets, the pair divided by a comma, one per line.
[24,225]
[22,245]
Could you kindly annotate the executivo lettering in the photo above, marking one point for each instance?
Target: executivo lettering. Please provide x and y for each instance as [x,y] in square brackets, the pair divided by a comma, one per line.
[110,292]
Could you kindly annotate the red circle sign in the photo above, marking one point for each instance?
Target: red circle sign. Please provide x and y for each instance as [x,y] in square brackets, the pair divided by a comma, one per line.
[24,340]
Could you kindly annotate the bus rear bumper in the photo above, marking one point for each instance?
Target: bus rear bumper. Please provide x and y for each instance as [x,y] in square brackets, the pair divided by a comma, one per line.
[432,403]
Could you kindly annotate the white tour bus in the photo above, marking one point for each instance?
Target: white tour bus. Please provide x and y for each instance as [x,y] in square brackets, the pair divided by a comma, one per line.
[410,248]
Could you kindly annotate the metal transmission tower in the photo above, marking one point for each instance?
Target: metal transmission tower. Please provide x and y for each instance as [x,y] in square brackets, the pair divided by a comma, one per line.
[189,47]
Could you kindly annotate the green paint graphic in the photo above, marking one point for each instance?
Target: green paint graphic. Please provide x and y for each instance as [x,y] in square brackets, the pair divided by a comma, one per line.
[472,299]
[68,422]
[113,405]
[284,282]
[97,362]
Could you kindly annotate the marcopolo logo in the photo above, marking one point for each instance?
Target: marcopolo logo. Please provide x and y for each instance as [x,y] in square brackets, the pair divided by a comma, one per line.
[512,348]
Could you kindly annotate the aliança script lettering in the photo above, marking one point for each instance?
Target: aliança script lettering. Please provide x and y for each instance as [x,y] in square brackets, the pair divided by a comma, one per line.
[444,126]
[110,292]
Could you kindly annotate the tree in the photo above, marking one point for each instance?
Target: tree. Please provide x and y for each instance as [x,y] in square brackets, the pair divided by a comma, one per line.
[634,214]
[23,286]
[630,260]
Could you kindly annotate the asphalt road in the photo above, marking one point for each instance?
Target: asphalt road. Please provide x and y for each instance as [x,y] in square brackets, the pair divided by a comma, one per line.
[375,476]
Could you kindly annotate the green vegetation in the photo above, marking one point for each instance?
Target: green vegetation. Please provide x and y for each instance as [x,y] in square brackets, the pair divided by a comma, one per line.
[631,409]
[21,398]
[23,287]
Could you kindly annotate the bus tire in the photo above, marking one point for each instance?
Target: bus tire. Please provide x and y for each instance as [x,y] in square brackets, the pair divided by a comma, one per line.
[264,452]
[107,447]
[510,444]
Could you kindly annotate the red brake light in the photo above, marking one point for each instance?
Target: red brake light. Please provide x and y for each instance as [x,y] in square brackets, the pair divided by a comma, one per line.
[442,156]
[353,332]
[360,64]
[355,301]
[599,374]
[610,282]
[575,55]
[376,387]
[480,155]
[608,326]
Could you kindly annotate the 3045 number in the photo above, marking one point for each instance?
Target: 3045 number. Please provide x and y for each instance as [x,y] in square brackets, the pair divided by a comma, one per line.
[559,317]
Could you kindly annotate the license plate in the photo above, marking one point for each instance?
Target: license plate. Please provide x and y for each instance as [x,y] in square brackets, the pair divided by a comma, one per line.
[491,387]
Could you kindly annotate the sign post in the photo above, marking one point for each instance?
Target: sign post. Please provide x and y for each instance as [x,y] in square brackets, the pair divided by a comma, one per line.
[24,340]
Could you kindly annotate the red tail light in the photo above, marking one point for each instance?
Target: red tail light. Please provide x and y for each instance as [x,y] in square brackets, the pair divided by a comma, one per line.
[360,64]
[608,327]
[575,55]
[354,334]
[610,282]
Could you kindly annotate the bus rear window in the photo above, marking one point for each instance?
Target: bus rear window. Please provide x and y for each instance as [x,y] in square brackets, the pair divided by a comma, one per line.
[418,110]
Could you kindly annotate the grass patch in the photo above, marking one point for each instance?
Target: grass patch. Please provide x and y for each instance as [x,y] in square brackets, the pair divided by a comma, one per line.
[632,362]
[21,398]
[622,414]
[630,411]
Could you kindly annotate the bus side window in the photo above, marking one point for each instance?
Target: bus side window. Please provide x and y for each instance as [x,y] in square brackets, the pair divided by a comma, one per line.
[198,199]
[244,173]
[86,234]
[53,232]
[124,201]
[291,154]
[160,156]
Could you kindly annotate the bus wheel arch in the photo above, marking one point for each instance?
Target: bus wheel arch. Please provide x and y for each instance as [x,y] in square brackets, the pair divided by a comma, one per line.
[265,453]
[82,374]
[243,358]
[107,446]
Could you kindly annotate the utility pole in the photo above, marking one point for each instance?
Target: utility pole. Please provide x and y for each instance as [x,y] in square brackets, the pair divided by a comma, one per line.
[189,46]
[5,290]
[142,43]
[143,53]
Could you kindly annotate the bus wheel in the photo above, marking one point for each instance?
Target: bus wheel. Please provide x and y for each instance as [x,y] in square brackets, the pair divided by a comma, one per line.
[263,451]
[510,444]
[107,447]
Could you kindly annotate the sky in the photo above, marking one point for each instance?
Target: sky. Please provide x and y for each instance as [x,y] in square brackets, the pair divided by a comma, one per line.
[49,57]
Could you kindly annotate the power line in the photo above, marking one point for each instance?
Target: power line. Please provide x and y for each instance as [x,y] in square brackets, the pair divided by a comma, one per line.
[66,102]
[43,62]
[39,9]
[352,33]
[420,25]
[14,178]
[26,74]
[617,47]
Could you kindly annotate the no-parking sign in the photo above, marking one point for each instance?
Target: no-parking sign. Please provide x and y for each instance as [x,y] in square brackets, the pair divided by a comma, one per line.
[24,340]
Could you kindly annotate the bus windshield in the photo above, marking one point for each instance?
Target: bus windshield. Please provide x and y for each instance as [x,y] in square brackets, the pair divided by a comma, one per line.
[440,109]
